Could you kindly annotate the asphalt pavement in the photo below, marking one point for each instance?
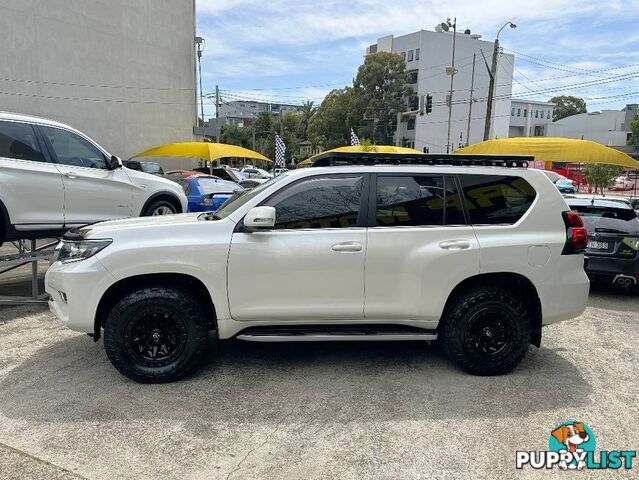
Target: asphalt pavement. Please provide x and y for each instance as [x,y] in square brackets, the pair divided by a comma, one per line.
[340,410]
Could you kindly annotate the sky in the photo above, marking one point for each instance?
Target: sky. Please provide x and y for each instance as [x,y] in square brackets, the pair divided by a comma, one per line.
[296,50]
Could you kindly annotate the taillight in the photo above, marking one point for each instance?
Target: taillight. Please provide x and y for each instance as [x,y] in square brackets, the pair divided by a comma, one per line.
[576,234]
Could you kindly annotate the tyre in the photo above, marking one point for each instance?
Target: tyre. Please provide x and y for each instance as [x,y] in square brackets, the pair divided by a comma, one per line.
[160,207]
[156,334]
[486,331]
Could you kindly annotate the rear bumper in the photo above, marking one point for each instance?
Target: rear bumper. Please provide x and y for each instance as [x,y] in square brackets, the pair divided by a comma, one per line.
[564,296]
[607,269]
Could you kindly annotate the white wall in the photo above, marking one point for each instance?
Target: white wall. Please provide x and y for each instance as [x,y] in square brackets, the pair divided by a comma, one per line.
[122,71]
[604,127]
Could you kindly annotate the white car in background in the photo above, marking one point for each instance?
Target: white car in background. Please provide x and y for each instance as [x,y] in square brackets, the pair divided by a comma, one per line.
[53,178]
[256,173]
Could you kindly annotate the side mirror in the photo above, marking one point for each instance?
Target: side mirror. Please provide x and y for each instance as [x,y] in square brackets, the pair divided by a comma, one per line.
[115,162]
[260,217]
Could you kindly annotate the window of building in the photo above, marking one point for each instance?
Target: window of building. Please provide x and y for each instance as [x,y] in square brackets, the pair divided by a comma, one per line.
[525,112]
[411,124]
[496,199]
[412,77]
[512,112]
[548,114]
[519,112]
[18,141]
[320,202]
[410,55]
[403,54]
[539,131]
[417,54]
[536,113]
[71,149]
[418,200]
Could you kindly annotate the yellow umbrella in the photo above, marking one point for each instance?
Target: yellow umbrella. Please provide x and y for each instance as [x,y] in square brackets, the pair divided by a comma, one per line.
[549,149]
[364,149]
[204,150]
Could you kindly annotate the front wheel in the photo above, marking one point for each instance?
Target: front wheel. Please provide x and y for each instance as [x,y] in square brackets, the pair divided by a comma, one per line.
[487,331]
[161,207]
[156,334]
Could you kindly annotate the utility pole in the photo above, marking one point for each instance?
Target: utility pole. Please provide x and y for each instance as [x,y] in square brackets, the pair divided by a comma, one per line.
[491,86]
[491,91]
[470,102]
[217,114]
[452,80]
[199,41]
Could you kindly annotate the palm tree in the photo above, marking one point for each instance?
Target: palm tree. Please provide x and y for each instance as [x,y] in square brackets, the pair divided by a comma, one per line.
[308,109]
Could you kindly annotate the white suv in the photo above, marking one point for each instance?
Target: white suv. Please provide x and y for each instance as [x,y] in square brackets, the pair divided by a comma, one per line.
[53,178]
[480,257]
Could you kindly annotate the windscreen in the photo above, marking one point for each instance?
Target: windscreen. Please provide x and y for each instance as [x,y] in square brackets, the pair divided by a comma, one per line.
[611,219]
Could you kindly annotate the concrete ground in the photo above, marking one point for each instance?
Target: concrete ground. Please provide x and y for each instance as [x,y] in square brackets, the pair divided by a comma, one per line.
[384,410]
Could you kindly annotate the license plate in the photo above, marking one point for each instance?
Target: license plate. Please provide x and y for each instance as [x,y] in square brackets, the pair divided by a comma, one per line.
[598,245]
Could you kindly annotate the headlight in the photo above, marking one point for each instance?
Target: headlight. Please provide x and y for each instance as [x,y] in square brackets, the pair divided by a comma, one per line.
[72,251]
[632,242]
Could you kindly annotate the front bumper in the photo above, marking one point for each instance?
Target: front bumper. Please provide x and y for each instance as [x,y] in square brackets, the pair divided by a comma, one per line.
[75,290]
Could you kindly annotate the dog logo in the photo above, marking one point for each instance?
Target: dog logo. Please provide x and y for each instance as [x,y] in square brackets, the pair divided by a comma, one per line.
[572,446]
[575,438]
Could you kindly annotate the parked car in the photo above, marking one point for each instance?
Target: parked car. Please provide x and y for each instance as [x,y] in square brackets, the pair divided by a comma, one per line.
[563,184]
[624,183]
[224,172]
[479,256]
[613,228]
[53,178]
[153,168]
[207,193]
[254,172]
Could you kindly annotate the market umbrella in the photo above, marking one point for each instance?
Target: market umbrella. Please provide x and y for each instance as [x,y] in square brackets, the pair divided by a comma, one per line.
[362,148]
[550,149]
[205,150]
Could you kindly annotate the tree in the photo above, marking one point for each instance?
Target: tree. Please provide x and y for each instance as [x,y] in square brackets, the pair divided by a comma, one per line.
[235,135]
[382,82]
[567,105]
[602,176]
[634,133]
[308,109]
[341,110]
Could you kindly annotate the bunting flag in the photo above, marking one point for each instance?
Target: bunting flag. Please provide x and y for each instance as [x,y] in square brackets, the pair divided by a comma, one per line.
[280,151]
[354,139]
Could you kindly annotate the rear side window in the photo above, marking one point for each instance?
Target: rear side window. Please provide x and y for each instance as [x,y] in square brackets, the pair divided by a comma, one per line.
[496,199]
[418,200]
[323,202]
[18,141]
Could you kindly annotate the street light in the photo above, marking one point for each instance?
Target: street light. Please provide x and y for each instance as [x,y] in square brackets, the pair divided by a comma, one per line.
[446,26]
[199,42]
[493,74]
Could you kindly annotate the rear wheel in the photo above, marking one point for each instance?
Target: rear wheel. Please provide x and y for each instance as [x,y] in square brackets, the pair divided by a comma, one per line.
[156,334]
[487,331]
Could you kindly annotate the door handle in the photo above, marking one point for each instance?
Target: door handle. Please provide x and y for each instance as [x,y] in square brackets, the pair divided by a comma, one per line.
[455,244]
[71,175]
[347,247]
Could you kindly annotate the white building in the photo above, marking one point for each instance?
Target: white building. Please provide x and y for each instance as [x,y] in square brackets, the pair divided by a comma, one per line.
[608,127]
[242,113]
[427,55]
[123,72]
[530,118]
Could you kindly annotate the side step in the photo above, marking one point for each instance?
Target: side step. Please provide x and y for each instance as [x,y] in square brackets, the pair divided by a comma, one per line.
[335,333]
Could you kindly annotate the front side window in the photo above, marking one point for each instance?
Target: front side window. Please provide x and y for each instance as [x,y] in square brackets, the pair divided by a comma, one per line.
[323,202]
[496,199]
[418,200]
[73,150]
[18,141]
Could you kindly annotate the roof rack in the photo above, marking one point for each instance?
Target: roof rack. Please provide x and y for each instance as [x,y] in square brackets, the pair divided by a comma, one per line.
[373,158]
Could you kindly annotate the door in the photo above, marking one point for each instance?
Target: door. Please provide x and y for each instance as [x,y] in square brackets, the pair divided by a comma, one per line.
[311,265]
[30,185]
[419,246]
[92,192]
